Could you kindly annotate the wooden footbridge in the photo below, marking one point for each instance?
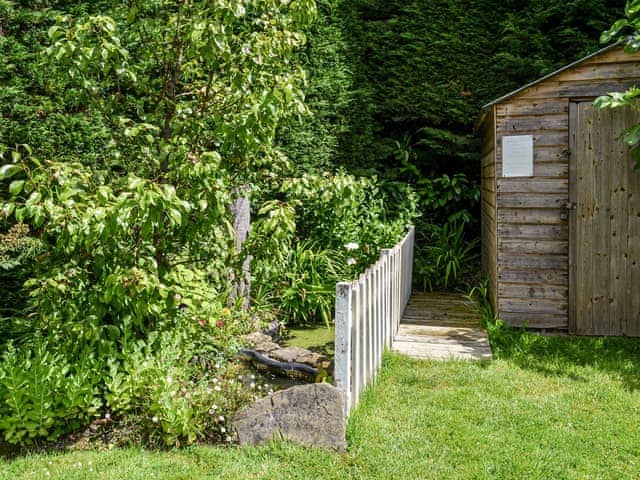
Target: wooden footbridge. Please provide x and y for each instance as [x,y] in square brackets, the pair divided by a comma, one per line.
[442,326]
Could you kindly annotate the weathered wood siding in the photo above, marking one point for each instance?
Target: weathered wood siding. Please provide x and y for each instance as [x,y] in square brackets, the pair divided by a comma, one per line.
[488,205]
[529,214]
[604,257]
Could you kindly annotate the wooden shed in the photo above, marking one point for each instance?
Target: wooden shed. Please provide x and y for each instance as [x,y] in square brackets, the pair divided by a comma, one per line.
[561,201]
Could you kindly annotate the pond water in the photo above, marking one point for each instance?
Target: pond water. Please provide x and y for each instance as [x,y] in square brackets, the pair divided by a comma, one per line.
[317,338]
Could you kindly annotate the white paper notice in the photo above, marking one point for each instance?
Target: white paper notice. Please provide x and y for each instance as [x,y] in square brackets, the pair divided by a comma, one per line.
[517,156]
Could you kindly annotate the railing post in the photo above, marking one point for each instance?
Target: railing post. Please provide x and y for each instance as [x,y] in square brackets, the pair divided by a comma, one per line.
[342,362]
[386,304]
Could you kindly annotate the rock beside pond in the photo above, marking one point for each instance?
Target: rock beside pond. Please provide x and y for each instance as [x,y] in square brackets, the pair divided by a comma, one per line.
[261,342]
[308,415]
[289,354]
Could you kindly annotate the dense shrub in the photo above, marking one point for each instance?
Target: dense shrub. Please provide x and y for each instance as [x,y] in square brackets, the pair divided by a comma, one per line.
[299,239]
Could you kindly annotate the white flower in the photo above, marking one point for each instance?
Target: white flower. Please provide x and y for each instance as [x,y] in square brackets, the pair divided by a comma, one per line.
[351,246]
[229,438]
[154,419]
[223,430]
[221,418]
[252,385]
[107,416]
[217,388]
[351,261]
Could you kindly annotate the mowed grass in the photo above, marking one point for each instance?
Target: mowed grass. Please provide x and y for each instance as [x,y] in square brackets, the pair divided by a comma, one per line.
[546,408]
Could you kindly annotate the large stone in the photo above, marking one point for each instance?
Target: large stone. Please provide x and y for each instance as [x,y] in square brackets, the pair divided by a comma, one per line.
[289,354]
[308,415]
[314,359]
[261,342]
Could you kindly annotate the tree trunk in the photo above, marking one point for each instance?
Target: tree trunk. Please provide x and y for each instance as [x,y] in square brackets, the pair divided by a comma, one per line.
[241,211]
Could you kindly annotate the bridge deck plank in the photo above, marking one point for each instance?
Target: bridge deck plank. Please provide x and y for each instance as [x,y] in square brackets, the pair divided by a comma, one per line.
[441,327]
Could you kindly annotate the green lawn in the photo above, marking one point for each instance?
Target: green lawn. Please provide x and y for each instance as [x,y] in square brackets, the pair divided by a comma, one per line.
[546,408]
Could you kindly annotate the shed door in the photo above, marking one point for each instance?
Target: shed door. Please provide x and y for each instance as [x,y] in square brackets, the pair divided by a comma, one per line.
[604,258]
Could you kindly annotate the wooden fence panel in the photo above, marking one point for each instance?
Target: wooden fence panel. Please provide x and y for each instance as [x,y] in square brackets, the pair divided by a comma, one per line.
[368,313]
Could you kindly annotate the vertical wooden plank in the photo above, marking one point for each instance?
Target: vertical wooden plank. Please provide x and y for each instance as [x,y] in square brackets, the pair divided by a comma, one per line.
[618,216]
[384,259]
[602,132]
[370,333]
[574,122]
[342,361]
[379,335]
[376,292]
[394,289]
[362,321]
[412,248]
[356,344]
[584,231]
[398,289]
[365,331]
[632,324]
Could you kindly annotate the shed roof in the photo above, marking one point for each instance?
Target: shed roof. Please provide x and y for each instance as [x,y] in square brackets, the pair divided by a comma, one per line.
[548,76]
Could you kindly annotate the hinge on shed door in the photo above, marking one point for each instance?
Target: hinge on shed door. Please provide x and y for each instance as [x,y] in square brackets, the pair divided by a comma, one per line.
[568,207]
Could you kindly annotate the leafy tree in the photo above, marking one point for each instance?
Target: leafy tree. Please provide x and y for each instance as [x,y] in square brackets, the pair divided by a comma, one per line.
[190,96]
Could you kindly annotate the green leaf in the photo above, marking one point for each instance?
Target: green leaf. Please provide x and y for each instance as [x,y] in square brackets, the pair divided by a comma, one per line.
[16,187]
[8,171]
[613,32]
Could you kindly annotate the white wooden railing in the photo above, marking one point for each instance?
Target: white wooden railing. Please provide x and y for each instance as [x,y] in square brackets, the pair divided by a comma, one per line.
[368,313]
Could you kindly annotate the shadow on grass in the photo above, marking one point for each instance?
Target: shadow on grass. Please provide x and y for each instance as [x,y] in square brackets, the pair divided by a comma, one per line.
[560,355]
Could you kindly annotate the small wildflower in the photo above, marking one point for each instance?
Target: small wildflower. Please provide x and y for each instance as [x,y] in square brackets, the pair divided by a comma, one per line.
[219,324]
[214,407]
[253,377]
[223,430]
[154,419]
[177,297]
[182,306]
[221,418]
[202,322]
[252,385]
[217,388]
[107,416]
[351,261]
[229,439]
[351,246]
